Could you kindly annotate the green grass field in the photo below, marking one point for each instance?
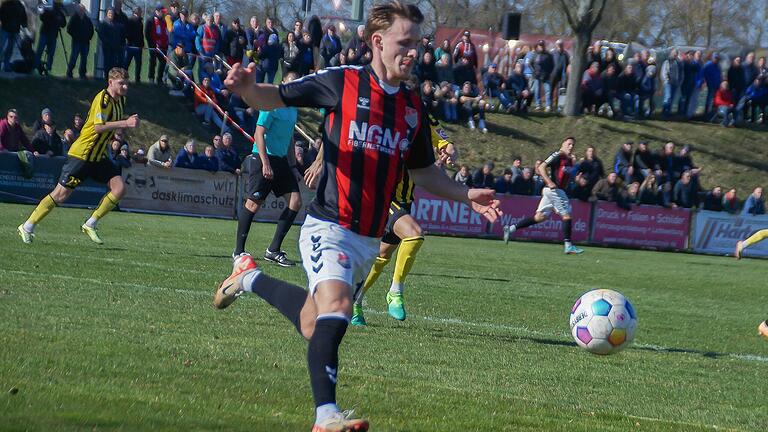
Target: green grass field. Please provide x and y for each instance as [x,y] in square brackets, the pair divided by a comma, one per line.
[124,337]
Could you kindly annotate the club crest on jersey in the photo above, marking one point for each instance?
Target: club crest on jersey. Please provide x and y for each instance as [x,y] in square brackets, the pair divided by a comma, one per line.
[411,117]
[344,261]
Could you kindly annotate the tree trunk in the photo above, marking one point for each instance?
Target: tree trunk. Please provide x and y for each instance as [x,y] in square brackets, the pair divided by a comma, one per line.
[578,66]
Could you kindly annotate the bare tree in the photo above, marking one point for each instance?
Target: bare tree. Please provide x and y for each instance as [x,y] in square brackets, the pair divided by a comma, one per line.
[583,16]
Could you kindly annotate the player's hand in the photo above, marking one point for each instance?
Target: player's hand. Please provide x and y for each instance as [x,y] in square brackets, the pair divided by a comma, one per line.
[133,121]
[485,203]
[237,171]
[450,154]
[240,78]
[312,174]
[266,171]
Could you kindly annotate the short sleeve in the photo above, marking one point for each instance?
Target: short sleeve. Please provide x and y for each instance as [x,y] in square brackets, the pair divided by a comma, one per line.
[100,109]
[552,158]
[422,153]
[319,90]
[265,119]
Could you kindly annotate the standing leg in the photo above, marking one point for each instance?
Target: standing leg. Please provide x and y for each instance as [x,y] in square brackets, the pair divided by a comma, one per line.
[59,195]
[244,220]
[287,217]
[409,230]
[107,204]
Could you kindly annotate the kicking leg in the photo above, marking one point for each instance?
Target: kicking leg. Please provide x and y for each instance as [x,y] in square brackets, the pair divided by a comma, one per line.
[754,238]
[273,252]
[510,229]
[567,230]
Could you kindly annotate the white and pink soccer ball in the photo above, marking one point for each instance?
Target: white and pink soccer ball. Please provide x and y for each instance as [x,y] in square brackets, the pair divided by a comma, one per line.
[603,321]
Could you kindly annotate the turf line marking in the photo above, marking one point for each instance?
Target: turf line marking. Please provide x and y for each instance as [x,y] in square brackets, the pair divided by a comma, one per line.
[437,320]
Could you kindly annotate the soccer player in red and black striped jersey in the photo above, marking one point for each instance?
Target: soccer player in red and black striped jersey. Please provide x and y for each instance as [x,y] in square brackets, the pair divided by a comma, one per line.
[553,195]
[374,128]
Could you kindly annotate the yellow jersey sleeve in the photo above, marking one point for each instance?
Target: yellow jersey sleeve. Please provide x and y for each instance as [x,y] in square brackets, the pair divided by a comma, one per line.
[440,138]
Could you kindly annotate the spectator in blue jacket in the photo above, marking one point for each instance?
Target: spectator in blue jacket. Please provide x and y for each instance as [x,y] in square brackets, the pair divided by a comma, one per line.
[208,161]
[227,156]
[483,177]
[754,205]
[698,81]
[187,157]
[713,76]
[754,101]
[52,20]
[622,164]
[504,183]
[516,95]
[110,35]
[269,56]
[184,32]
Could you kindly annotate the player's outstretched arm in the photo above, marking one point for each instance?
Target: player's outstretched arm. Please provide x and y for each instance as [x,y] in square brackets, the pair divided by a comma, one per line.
[482,201]
[129,123]
[242,82]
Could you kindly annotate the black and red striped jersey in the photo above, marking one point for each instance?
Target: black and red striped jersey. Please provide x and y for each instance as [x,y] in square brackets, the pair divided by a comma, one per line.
[370,136]
[560,166]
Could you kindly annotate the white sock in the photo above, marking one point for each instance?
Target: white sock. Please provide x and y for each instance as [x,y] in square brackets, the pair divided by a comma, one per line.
[91,222]
[568,244]
[396,288]
[28,227]
[359,301]
[250,279]
[324,411]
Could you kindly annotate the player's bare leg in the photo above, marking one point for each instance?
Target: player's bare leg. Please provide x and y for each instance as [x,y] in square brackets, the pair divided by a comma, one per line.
[754,238]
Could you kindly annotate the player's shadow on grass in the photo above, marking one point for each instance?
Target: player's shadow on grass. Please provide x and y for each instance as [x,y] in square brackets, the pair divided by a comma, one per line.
[489,279]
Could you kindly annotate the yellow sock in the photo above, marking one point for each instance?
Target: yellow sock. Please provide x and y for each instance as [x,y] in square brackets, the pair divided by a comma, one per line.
[107,203]
[376,270]
[756,238]
[41,211]
[406,255]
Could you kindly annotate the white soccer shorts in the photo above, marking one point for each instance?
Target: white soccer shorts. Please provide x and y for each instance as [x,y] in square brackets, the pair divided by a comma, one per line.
[332,252]
[554,199]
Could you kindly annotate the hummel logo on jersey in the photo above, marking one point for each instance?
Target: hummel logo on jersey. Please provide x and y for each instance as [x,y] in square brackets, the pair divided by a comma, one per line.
[375,138]
[363,103]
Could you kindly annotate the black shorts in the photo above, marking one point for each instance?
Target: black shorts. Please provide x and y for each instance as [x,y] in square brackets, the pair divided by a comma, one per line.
[396,211]
[257,188]
[75,171]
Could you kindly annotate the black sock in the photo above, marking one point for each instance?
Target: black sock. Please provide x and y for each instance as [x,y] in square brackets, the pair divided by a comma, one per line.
[285,297]
[567,230]
[243,227]
[283,225]
[323,357]
[525,223]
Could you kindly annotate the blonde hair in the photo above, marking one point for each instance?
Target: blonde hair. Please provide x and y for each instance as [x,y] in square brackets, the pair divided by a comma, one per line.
[381,16]
[117,73]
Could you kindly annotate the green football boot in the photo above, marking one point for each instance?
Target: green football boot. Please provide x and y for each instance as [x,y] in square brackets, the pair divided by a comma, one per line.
[395,306]
[357,316]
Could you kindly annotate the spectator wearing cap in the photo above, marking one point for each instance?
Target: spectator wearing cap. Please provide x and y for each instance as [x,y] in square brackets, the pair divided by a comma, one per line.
[559,77]
[503,184]
[685,193]
[543,65]
[156,35]
[622,163]
[330,47]
[46,117]
[134,34]
[483,177]
[160,153]
[465,49]
[516,95]
[471,104]
[269,56]
[724,104]
[139,157]
[80,29]
[110,36]
[46,141]
[755,203]
[52,19]
[713,76]
[671,78]
[227,156]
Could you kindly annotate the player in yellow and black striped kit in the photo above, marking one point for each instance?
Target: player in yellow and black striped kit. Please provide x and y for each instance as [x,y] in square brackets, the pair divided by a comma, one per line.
[87,157]
[402,230]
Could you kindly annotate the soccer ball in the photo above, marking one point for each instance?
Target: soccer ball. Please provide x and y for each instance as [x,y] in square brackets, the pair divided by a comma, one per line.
[603,321]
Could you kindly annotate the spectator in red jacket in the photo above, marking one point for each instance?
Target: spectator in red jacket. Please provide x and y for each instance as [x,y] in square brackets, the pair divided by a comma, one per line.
[12,137]
[465,49]
[203,106]
[724,104]
[156,34]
